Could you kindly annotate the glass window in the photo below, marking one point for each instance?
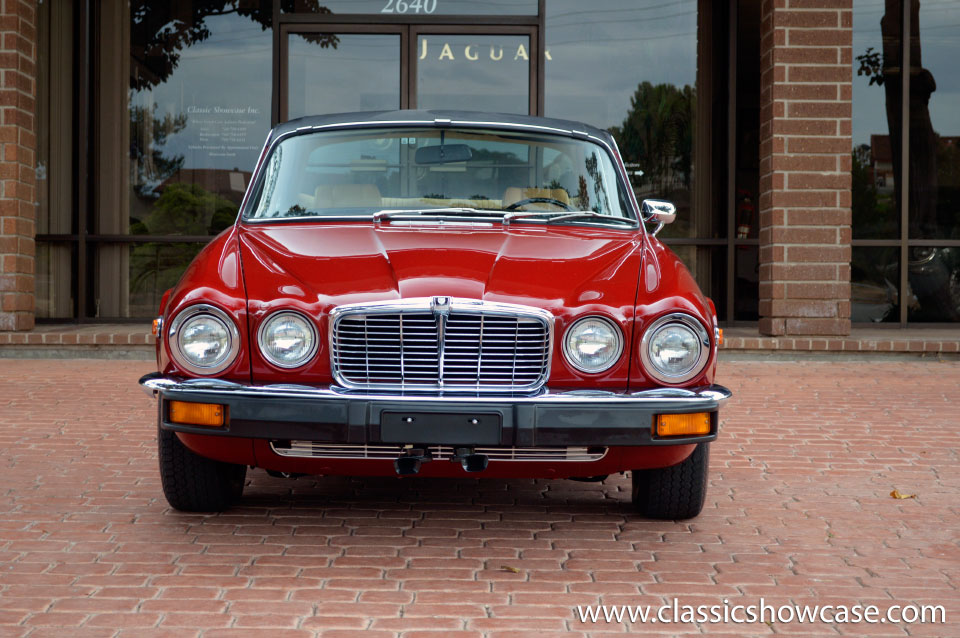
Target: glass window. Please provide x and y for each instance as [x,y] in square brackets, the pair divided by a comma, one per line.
[361,172]
[147,270]
[631,66]
[53,284]
[746,283]
[54,172]
[930,187]
[934,198]
[934,283]
[199,111]
[874,284]
[876,123]
[474,72]
[364,68]
[193,82]
[935,121]
[413,8]
[708,265]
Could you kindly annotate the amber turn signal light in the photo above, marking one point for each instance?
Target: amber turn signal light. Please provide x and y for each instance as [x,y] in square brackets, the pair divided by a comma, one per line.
[682,424]
[196,413]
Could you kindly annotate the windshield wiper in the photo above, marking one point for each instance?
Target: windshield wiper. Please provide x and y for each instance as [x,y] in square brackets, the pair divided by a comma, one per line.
[559,215]
[590,214]
[435,212]
[509,217]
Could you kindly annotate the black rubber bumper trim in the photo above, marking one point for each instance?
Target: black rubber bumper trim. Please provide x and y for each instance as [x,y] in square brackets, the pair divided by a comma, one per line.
[352,420]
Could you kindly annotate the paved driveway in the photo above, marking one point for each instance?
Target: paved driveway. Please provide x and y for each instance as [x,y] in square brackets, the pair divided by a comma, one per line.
[798,512]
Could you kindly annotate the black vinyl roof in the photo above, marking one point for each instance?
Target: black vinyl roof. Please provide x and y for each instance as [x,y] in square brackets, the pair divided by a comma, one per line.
[441,118]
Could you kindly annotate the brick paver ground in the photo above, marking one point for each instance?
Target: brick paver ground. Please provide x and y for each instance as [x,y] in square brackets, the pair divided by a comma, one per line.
[798,511]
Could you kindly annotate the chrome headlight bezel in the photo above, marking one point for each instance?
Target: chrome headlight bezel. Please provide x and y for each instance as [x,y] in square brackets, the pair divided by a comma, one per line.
[261,333]
[703,339]
[615,329]
[175,332]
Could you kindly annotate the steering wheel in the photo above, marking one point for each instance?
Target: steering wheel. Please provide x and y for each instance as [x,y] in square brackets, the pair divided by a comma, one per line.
[538,200]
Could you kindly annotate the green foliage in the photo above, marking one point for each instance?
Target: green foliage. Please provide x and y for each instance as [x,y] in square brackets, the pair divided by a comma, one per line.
[188,209]
[864,190]
[658,134]
[162,30]
[874,213]
[156,267]
[871,65]
[182,209]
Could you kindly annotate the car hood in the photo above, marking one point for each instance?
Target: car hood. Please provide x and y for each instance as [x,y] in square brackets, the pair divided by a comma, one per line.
[568,270]
[323,265]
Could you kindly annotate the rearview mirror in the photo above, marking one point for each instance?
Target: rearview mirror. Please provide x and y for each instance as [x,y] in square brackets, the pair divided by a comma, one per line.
[443,154]
[659,211]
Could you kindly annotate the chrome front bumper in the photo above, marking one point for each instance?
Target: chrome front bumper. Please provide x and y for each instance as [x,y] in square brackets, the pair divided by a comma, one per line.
[546,418]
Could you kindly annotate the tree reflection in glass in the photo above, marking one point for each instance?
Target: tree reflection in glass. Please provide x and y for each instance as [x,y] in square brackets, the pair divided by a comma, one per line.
[932,206]
[657,134]
[198,108]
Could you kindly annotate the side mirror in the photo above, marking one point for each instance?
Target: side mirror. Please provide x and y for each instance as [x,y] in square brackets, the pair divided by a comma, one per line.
[658,210]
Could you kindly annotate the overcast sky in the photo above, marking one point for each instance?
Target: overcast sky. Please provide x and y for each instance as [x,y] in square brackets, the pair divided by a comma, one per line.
[940,49]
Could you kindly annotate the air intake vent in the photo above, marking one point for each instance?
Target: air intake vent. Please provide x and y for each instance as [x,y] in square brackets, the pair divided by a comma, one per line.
[441,343]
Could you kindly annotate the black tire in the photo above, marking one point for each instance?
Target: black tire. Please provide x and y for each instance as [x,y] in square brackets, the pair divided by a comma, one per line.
[192,483]
[673,493]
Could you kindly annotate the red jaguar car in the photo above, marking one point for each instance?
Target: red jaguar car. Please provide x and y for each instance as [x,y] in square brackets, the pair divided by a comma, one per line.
[441,294]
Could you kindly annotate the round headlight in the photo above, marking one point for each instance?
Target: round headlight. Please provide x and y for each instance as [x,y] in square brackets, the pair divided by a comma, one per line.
[593,344]
[203,339]
[288,339]
[675,348]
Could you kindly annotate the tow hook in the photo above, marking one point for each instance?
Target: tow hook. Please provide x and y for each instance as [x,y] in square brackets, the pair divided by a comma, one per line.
[470,461]
[410,461]
[286,475]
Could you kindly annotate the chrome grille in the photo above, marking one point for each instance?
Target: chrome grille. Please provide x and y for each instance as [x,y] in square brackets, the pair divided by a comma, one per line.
[317,449]
[440,343]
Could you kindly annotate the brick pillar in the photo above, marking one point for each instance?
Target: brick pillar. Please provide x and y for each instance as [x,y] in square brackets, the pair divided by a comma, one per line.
[805,161]
[18,142]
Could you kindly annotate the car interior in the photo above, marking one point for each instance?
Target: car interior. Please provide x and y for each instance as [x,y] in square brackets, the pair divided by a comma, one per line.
[362,172]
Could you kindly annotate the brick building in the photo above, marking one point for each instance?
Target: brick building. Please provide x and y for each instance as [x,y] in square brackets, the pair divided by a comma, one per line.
[818,186]
[18,61]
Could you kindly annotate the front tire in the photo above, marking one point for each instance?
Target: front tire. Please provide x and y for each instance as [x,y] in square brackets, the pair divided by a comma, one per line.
[192,483]
[673,493]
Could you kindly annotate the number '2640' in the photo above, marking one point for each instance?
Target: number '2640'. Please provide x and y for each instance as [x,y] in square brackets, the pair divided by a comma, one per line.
[409,6]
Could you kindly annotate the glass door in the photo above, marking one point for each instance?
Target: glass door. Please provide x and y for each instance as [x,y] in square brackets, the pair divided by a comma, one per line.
[474,70]
[338,68]
[342,68]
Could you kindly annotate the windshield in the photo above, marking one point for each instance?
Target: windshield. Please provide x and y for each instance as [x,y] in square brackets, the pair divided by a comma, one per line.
[362,172]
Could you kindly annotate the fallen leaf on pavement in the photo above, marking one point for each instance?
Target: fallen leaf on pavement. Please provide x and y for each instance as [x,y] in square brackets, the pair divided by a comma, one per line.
[896,494]
[512,570]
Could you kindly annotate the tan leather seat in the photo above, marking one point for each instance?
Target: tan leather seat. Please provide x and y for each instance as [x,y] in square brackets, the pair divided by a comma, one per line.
[323,196]
[347,196]
[515,194]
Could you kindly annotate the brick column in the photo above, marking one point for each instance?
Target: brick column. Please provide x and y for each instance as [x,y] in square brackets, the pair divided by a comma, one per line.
[18,197]
[805,161]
